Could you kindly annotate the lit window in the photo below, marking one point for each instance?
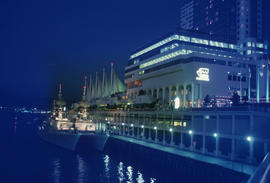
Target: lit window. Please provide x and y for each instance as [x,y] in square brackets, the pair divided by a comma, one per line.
[259,45]
[166,57]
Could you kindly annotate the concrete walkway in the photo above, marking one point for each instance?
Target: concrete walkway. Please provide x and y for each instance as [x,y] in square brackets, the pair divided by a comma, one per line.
[236,166]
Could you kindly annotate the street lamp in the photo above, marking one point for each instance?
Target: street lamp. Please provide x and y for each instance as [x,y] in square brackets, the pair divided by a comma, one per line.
[170,129]
[123,124]
[131,125]
[249,138]
[142,126]
[190,132]
[155,128]
[215,135]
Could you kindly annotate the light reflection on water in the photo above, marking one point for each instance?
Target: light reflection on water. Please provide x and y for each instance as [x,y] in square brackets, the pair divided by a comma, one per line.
[56,171]
[82,169]
[140,178]
[107,168]
[120,172]
[48,163]
[129,174]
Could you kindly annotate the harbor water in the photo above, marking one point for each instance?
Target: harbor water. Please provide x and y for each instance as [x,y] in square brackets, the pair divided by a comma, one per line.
[26,158]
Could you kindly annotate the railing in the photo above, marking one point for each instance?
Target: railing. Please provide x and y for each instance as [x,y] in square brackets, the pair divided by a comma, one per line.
[241,108]
[262,174]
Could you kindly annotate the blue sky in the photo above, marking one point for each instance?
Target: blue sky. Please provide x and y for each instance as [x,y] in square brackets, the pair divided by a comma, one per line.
[47,42]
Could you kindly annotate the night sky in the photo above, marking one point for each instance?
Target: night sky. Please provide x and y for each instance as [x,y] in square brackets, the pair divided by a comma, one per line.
[47,42]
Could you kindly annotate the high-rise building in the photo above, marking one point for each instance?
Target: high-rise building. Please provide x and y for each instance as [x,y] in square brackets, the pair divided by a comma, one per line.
[249,19]
[214,17]
[232,20]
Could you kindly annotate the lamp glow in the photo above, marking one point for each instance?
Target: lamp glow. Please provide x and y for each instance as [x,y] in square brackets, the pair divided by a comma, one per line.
[177,103]
[190,132]
[249,138]
[155,128]
[215,135]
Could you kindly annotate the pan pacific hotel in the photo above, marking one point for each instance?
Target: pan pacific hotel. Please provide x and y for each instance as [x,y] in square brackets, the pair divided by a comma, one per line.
[190,66]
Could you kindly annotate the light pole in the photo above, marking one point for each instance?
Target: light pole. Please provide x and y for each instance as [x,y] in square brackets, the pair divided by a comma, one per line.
[156,137]
[250,139]
[240,75]
[190,132]
[171,133]
[217,143]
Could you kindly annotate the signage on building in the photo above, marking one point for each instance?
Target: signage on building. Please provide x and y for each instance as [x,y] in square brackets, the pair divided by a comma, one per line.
[202,74]
[177,103]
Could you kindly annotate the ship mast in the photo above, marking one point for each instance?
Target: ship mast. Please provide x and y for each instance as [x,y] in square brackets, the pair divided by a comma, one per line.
[84,89]
[112,88]
[60,92]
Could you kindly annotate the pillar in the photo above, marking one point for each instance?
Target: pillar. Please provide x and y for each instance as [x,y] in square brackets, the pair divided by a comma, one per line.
[181,140]
[240,87]
[258,84]
[172,140]
[133,135]
[156,137]
[191,142]
[192,95]
[163,96]
[185,88]
[251,147]
[163,139]
[233,138]
[149,134]
[203,145]
[249,83]
[267,82]
[217,138]
[170,95]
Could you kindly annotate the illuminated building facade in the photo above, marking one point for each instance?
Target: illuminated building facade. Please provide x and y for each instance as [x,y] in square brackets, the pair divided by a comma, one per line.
[191,66]
[234,20]
[214,17]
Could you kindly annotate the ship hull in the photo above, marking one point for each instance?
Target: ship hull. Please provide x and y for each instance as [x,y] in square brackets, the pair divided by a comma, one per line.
[73,141]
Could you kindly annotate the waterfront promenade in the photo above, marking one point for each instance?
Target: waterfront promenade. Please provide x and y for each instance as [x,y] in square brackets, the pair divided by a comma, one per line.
[232,165]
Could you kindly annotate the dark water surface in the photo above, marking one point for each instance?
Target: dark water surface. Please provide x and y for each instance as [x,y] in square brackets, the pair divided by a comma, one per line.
[26,158]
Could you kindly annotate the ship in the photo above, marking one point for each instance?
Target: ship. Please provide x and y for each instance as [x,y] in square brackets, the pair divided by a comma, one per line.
[72,128]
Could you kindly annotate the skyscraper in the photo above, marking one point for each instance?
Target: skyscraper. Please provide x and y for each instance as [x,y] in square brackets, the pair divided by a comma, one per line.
[233,20]
[214,17]
[249,19]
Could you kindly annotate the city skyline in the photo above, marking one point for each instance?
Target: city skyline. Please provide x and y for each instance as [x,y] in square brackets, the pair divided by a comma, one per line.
[38,52]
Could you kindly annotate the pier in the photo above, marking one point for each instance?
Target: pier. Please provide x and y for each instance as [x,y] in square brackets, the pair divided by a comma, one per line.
[232,138]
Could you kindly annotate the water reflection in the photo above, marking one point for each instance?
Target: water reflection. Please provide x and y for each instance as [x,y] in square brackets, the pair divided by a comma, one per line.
[140,178]
[48,163]
[152,180]
[56,171]
[82,169]
[107,169]
[130,174]
[120,172]
[15,125]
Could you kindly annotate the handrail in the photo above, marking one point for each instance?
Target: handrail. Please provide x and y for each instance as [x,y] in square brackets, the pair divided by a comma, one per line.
[262,173]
